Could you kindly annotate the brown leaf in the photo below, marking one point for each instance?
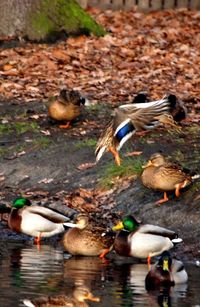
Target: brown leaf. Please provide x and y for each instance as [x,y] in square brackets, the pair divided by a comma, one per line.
[7,67]
[85,166]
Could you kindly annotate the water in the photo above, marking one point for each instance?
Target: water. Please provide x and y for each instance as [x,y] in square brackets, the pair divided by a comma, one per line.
[26,272]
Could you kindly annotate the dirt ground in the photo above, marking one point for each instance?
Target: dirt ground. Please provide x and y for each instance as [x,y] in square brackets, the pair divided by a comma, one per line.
[43,162]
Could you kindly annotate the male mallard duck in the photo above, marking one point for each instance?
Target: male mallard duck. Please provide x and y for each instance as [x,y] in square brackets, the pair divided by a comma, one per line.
[177,108]
[142,241]
[130,118]
[36,221]
[66,107]
[87,239]
[80,295]
[141,97]
[166,272]
[161,175]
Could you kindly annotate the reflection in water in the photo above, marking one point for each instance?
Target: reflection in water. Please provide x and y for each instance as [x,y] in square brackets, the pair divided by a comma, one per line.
[26,273]
[80,294]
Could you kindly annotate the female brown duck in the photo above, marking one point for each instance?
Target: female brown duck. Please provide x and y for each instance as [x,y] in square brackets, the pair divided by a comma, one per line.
[66,107]
[161,175]
[87,239]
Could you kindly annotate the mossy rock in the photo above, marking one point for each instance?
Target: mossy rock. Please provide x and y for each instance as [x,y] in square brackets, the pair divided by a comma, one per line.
[55,17]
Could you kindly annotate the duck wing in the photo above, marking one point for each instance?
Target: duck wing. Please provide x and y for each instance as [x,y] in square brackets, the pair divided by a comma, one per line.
[158,231]
[173,171]
[48,214]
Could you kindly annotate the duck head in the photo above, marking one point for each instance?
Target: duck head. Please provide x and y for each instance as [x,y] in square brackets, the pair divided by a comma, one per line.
[129,223]
[20,202]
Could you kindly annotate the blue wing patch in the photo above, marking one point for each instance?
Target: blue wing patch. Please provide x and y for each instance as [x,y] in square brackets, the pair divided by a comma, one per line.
[129,127]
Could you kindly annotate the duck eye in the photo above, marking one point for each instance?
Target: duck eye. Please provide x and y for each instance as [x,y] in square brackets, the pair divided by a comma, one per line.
[82,100]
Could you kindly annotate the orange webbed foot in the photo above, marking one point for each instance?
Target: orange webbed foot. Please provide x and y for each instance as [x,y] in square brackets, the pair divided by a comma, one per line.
[66,126]
[116,155]
[163,200]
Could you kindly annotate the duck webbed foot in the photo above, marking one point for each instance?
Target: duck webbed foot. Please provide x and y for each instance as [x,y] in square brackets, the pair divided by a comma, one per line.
[116,155]
[180,186]
[105,252]
[163,200]
[66,126]
[37,240]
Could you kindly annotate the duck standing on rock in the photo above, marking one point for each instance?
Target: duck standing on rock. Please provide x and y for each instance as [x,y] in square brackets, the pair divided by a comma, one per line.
[66,107]
[36,221]
[158,174]
[142,240]
[166,272]
[130,118]
[87,239]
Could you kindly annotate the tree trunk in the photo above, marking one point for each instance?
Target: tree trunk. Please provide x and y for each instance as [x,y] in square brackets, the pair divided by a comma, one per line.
[42,19]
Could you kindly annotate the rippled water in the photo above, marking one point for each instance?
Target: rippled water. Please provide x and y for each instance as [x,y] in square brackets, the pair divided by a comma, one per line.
[26,272]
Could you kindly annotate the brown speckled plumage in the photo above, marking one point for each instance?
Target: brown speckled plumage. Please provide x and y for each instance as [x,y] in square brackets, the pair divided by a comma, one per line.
[87,241]
[67,106]
[161,175]
[80,294]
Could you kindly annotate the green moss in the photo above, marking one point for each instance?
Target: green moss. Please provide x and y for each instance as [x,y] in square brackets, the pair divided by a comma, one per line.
[86,143]
[5,129]
[42,142]
[3,151]
[56,16]
[97,107]
[18,128]
[111,172]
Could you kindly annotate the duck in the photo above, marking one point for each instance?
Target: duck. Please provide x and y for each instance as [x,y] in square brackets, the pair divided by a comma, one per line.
[142,240]
[141,97]
[34,220]
[158,174]
[86,239]
[131,118]
[166,272]
[78,298]
[66,106]
[178,110]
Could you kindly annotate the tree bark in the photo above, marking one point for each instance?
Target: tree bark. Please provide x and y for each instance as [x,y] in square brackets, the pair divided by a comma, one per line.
[42,19]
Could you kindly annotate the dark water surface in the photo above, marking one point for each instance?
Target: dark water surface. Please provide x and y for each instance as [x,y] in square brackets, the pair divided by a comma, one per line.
[26,272]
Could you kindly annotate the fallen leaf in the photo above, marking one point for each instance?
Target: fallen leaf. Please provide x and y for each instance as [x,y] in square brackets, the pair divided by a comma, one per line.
[133,153]
[46,180]
[85,166]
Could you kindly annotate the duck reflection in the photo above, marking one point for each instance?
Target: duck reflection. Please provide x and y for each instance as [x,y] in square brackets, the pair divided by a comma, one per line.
[89,270]
[80,294]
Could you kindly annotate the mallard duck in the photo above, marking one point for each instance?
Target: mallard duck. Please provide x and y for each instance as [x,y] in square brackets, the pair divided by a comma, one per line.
[66,107]
[161,175]
[130,118]
[87,239]
[36,221]
[177,108]
[166,272]
[142,241]
[141,97]
[80,295]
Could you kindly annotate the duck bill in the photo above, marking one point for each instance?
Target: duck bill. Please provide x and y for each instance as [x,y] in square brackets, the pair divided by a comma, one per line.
[165,265]
[149,163]
[92,298]
[119,226]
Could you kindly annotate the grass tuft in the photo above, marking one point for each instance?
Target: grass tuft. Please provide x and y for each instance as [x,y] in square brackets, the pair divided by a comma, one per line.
[112,173]
[86,143]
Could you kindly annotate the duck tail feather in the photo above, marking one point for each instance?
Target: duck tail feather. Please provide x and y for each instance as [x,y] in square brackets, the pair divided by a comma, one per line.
[28,303]
[177,240]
